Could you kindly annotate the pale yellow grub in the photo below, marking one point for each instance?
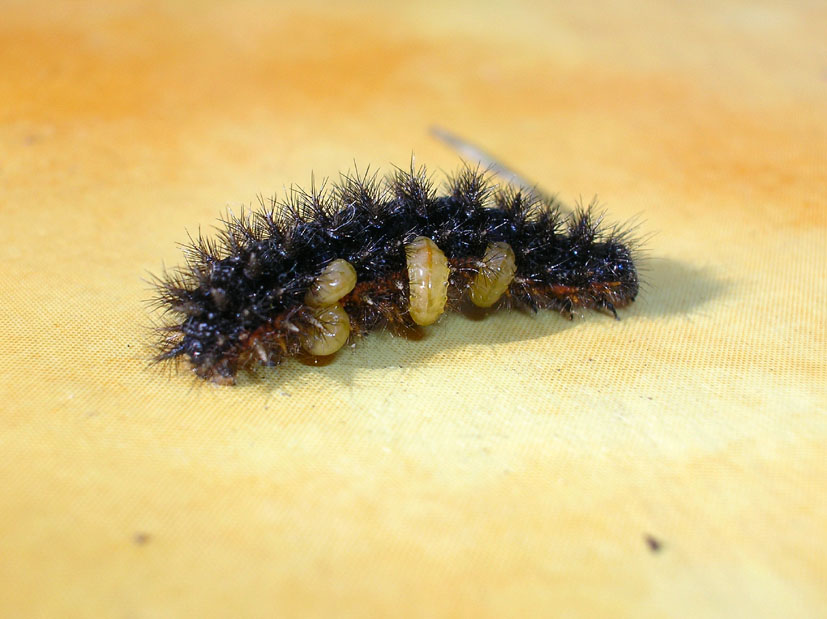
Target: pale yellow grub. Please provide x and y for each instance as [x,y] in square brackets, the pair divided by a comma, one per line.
[495,274]
[336,280]
[329,331]
[428,280]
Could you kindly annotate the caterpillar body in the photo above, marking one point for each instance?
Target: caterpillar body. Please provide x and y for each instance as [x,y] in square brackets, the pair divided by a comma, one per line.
[305,275]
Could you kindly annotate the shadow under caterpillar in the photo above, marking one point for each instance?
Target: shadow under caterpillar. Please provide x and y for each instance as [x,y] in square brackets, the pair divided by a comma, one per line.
[321,268]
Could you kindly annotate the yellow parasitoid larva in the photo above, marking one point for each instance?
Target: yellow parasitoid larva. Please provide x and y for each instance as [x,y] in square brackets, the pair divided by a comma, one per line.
[496,272]
[427,279]
[335,281]
[331,328]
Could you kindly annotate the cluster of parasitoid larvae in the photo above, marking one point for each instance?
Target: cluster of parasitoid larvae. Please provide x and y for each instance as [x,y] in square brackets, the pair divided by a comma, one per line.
[306,275]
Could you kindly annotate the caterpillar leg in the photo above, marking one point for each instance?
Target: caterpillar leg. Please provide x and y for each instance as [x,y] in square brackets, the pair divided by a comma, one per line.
[606,304]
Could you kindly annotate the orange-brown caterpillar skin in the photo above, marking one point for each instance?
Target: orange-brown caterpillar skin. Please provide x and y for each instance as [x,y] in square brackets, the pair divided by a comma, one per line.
[253,296]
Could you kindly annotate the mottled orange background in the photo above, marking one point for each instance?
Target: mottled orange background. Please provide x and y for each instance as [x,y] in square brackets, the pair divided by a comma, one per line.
[505,467]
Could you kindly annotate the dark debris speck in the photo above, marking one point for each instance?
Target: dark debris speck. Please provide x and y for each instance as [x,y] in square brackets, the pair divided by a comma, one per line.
[654,544]
[141,538]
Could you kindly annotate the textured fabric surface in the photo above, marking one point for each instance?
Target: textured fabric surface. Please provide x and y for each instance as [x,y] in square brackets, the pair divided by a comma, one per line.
[669,464]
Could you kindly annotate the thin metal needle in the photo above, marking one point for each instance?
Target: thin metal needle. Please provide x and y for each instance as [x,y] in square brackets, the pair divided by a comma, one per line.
[475,153]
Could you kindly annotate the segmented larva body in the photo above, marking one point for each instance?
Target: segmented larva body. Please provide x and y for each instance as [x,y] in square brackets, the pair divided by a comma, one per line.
[495,274]
[307,275]
[427,280]
[331,323]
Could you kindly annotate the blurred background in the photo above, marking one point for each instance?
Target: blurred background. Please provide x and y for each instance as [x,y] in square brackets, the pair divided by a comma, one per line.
[669,464]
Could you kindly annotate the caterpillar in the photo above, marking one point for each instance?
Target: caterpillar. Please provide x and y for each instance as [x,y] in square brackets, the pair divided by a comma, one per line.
[323,267]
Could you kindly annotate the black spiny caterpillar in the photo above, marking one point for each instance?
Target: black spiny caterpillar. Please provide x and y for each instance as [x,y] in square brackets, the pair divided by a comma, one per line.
[307,274]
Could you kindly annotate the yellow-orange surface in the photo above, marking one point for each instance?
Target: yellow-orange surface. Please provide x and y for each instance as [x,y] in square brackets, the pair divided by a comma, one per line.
[669,464]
